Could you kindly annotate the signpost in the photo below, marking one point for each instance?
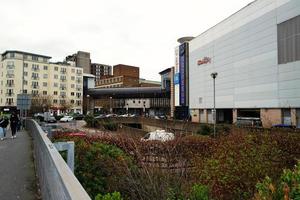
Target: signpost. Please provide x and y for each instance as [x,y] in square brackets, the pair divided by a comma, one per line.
[23,104]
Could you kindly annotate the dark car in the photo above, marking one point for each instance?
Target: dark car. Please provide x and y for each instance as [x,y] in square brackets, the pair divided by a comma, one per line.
[78,117]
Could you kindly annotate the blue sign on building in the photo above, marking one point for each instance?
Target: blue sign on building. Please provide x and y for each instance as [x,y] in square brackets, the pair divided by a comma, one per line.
[177,79]
[182,61]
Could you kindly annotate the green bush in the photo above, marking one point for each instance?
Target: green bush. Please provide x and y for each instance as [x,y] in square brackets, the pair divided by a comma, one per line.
[199,192]
[90,121]
[109,125]
[287,188]
[100,167]
[205,129]
[109,196]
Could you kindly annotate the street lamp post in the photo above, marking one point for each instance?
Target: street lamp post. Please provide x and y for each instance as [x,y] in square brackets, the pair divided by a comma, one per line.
[110,106]
[214,76]
[87,103]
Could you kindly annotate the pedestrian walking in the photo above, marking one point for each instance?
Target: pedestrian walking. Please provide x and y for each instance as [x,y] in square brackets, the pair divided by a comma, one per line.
[3,124]
[14,121]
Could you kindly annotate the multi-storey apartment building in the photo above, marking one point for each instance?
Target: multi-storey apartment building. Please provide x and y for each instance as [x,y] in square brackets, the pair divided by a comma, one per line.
[100,71]
[29,73]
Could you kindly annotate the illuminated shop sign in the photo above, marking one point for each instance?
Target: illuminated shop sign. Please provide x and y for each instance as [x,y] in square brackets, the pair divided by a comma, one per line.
[203,61]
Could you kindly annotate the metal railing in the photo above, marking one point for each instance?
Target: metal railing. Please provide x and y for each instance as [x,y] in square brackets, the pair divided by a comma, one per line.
[55,177]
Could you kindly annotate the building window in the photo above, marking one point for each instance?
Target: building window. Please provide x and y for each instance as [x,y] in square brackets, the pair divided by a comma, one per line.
[55,76]
[34,92]
[55,93]
[45,67]
[72,93]
[36,58]
[55,84]
[45,59]
[12,55]
[44,92]
[44,84]
[25,65]
[25,82]
[288,34]
[72,78]
[72,85]
[54,100]
[25,57]
[45,75]
[55,68]
[73,70]
[25,73]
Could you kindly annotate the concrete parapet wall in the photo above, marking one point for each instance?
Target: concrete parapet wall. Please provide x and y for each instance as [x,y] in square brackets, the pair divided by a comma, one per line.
[55,177]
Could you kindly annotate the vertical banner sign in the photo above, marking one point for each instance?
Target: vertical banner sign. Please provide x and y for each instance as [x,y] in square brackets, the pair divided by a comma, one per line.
[182,52]
[176,78]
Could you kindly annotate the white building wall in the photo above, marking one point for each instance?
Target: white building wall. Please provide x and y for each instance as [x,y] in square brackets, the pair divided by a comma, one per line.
[243,50]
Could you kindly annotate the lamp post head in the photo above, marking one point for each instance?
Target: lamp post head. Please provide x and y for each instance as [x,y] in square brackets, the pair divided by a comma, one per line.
[88,96]
[214,75]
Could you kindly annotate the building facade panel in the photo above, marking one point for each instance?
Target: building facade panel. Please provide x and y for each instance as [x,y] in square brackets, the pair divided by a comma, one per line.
[245,56]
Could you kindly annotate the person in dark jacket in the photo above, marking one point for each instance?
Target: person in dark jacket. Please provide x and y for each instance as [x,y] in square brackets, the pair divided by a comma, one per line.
[14,121]
[3,124]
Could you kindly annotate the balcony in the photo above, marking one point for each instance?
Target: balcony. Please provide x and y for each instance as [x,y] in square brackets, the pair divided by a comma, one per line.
[10,67]
[35,78]
[10,85]
[10,75]
[63,80]
[35,86]
[35,69]
[10,94]
[9,103]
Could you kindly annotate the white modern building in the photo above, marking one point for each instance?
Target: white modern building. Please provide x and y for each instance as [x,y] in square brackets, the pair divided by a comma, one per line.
[256,53]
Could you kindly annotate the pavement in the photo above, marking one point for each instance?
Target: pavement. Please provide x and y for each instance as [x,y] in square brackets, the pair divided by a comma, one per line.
[17,176]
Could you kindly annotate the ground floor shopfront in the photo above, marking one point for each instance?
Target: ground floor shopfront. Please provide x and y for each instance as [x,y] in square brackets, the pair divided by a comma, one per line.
[267,116]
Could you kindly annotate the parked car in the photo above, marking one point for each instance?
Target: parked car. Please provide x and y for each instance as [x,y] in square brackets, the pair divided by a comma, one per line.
[50,119]
[124,115]
[283,126]
[66,119]
[101,116]
[78,116]
[159,135]
[111,115]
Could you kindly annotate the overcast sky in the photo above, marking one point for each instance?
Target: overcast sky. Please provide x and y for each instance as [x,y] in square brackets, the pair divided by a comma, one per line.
[142,33]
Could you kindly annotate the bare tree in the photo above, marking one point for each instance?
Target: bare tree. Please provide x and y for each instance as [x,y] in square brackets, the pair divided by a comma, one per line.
[65,105]
[40,103]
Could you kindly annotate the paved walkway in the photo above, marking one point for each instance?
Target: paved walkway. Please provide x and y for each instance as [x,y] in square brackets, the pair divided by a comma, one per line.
[17,177]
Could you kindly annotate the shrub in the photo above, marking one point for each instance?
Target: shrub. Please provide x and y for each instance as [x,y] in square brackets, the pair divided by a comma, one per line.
[199,192]
[109,196]
[287,188]
[205,129]
[90,121]
[110,125]
[99,167]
